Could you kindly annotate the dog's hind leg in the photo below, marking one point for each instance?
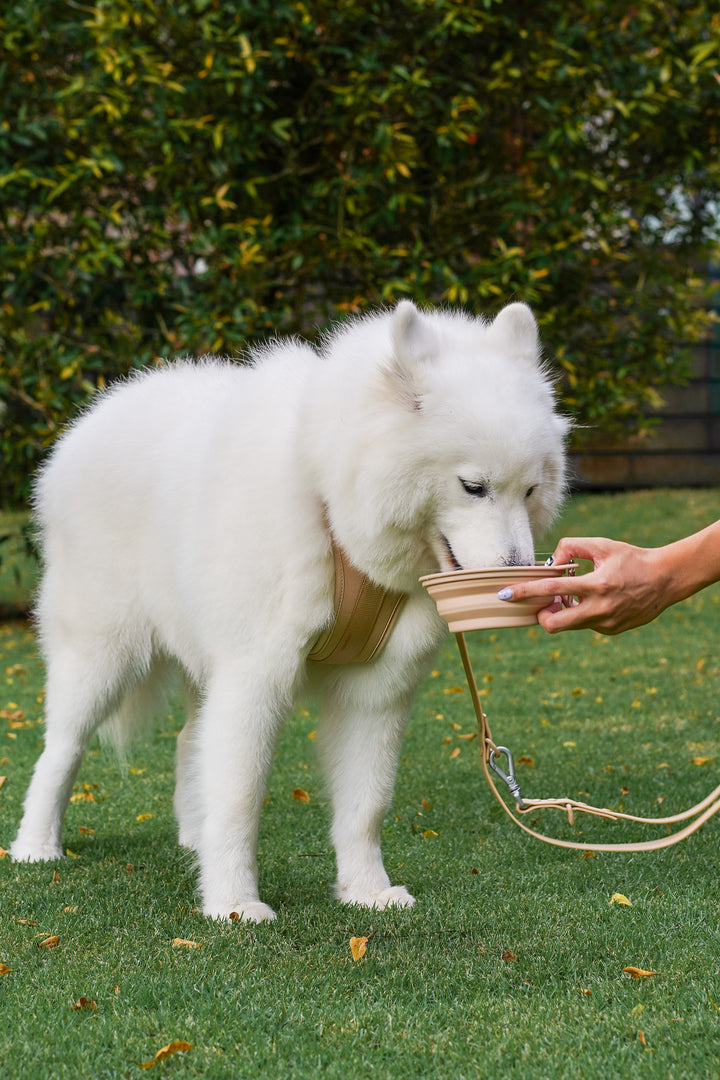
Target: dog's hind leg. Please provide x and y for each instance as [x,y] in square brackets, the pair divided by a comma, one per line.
[84,684]
[360,742]
[187,801]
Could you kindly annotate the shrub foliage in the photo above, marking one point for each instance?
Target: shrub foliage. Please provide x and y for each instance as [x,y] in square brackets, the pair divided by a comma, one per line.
[184,176]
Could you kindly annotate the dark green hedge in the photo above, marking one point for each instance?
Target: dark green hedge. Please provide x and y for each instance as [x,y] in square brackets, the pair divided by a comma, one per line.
[184,176]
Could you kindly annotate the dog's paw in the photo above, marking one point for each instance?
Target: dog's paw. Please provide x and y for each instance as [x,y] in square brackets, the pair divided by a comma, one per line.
[23,851]
[253,911]
[395,896]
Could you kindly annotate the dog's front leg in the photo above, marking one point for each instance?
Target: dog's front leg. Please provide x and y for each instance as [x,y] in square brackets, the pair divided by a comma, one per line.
[238,725]
[360,741]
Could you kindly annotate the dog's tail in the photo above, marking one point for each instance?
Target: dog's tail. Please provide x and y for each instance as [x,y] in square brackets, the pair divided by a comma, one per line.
[146,701]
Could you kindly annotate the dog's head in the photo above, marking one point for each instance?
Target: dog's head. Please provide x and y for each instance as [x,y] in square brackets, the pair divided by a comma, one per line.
[493,458]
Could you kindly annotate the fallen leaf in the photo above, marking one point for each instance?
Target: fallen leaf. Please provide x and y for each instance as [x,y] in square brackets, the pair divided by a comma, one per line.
[2,780]
[429,832]
[85,831]
[700,760]
[70,909]
[49,942]
[3,852]
[618,898]
[165,1052]
[525,760]
[84,1003]
[300,795]
[641,1037]
[178,942]
[5,970]
[83,796]
[143,817]
[425,804]
[508,957]
[713,1003]
[470,737]
[584,991]
[454,753]
[639,973]
[358,947]
[454,690]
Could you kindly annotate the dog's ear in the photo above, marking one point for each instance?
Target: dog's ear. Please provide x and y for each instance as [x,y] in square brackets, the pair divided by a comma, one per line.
[414,344]
[515,326]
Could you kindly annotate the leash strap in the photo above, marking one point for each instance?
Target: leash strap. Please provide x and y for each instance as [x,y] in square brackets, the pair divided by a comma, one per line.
[489,752]
[365,615]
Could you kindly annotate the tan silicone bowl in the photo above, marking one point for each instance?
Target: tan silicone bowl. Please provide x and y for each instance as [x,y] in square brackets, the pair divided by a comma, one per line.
[467,599]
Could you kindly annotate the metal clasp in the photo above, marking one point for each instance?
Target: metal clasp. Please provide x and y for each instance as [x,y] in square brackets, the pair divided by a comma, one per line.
[509,777]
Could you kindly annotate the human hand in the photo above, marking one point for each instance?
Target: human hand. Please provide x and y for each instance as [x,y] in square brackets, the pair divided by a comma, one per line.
[625,589]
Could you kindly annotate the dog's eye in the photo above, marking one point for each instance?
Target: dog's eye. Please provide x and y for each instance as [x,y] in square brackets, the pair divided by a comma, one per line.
[479,491]
[529,492]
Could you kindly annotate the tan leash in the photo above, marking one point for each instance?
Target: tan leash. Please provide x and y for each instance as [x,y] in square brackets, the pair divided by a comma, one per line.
[490,752]
[365,615]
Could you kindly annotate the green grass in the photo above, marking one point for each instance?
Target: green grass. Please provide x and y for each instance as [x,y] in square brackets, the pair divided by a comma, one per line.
[512,961]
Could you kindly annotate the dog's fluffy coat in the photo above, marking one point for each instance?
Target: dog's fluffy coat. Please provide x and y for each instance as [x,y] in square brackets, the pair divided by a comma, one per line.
[185,525]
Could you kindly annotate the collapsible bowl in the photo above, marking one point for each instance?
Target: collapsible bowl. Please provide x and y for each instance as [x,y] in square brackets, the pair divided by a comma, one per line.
[467,599]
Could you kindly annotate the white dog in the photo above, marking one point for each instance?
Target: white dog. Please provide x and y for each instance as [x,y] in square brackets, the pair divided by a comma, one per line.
[187,522]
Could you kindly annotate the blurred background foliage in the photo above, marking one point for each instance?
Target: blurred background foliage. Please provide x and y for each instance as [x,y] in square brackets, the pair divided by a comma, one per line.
[187,176]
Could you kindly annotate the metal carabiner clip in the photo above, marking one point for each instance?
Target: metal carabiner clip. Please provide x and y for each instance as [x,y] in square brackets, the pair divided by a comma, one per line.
[509,777]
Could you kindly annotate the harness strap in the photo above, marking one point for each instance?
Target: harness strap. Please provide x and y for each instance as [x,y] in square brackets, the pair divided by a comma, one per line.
[701,812]
[365,614]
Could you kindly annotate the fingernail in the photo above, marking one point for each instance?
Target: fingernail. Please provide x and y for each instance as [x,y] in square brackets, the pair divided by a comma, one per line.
[505,594]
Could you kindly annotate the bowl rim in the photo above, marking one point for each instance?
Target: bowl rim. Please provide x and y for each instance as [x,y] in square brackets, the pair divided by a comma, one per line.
[487,573]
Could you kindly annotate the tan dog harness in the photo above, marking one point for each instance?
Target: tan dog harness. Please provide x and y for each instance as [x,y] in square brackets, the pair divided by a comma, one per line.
[365,615]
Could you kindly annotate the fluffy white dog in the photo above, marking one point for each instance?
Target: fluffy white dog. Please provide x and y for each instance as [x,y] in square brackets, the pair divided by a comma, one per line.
[187,522]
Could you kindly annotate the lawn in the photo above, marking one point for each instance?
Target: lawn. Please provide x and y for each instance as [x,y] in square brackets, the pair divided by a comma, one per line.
[511,963]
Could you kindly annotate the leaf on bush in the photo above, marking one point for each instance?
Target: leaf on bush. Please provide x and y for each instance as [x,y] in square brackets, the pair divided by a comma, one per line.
[84,1003]
[639,973]
[358,946]
[618,898]
[300,795]
[166,1052]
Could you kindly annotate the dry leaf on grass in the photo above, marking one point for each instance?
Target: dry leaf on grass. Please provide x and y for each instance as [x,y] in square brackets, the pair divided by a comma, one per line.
[165,1052]
[3,852]
[618,898]
[2,780]
[639,973]
[49,942]
[300,796]
[84,1003]
[179,942]
[5,970]
[358,946]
